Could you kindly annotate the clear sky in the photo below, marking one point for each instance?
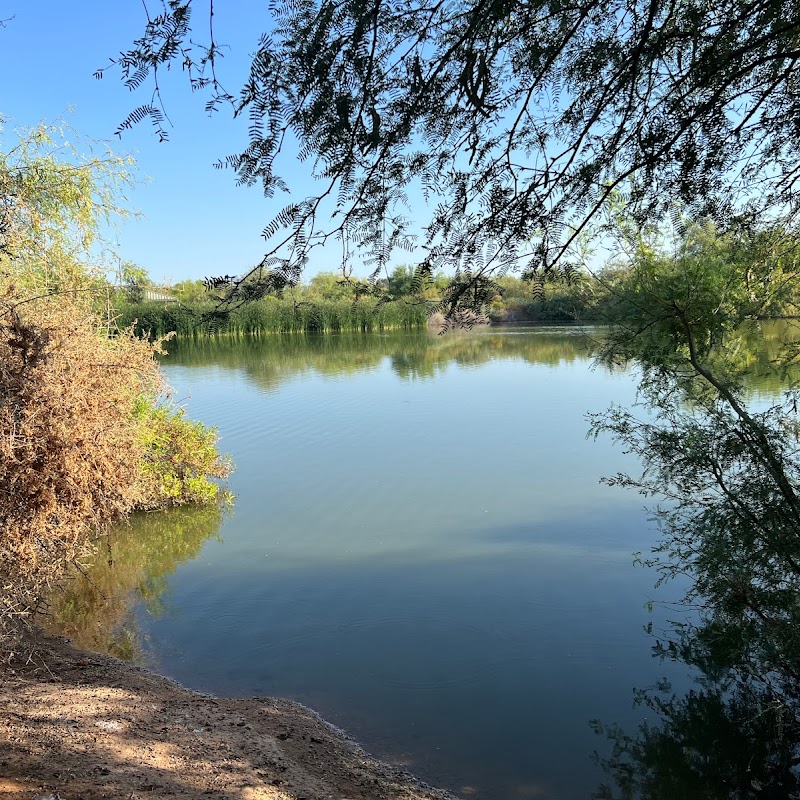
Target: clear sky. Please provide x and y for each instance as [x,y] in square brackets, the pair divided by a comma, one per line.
[197,222]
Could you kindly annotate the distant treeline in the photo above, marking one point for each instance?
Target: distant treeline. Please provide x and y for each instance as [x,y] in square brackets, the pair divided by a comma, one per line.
[327,304]
[581,299]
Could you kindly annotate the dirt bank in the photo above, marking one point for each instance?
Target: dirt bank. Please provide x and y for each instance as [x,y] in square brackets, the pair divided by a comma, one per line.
[80,726]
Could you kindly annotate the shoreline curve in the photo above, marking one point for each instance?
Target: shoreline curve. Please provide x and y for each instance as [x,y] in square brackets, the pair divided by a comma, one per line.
[80,725]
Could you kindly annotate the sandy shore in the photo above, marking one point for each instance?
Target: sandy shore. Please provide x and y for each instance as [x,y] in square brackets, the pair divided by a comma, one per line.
[79,726]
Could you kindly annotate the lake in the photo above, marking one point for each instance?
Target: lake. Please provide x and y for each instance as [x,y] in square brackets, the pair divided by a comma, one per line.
[420,549]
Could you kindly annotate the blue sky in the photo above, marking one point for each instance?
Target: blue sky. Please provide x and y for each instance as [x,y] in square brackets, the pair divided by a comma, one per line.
[197,222]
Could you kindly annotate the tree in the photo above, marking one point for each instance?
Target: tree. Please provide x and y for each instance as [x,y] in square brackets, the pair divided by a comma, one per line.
[190,291]
[516,120]
[401,281]
[86,433]
[726,474]
[131,274]
[56,197]
[133,279]
[329,286]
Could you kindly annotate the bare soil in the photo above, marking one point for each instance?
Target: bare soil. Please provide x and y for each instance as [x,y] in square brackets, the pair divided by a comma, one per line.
[80,726]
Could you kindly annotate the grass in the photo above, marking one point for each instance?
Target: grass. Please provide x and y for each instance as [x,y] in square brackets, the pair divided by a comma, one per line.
[272,315]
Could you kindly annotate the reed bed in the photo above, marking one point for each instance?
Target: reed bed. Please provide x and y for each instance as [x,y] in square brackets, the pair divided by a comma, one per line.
[271,315]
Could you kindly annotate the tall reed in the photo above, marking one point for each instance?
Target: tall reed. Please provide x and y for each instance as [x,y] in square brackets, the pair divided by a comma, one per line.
[272,315]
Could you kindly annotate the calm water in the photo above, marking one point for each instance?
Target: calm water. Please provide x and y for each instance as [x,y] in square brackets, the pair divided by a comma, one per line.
[420,549]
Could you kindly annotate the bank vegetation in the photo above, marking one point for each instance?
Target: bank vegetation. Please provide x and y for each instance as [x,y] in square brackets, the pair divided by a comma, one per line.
[88,433]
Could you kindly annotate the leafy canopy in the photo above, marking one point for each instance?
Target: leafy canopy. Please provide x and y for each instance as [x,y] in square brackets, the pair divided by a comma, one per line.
[59,194]
[682,311]
[516,120]
[726,470]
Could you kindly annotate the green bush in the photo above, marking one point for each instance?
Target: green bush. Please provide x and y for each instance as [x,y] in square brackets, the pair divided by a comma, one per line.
[180,459]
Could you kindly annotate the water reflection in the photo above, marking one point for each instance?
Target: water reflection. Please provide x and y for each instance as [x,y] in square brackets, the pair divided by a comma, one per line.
[729,525]
[419,355]
[415,355]
[736,735]
[459,597]
[132,565]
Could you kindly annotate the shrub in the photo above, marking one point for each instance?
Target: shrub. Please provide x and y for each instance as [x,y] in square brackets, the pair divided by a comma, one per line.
[76,437]
[83,441]
[180,457]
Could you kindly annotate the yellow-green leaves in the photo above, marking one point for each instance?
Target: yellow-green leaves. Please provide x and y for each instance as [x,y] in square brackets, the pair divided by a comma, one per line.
[180,458]
[60,194]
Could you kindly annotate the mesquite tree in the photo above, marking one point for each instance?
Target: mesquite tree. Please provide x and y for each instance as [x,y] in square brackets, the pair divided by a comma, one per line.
[516,120]
[724,468]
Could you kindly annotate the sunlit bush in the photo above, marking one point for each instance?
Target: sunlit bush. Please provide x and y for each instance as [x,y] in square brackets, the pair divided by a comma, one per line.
[82,440]
[180,459]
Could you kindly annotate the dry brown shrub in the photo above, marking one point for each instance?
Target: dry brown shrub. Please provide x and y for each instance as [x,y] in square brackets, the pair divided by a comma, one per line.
[69,451]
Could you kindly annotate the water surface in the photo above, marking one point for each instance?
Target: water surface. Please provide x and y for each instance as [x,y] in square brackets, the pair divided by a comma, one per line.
[420,549]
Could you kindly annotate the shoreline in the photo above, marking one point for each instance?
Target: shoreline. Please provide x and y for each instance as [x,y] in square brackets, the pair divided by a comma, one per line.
[78,725]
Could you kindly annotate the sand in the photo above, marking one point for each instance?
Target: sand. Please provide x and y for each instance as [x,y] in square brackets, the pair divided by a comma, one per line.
[79,726]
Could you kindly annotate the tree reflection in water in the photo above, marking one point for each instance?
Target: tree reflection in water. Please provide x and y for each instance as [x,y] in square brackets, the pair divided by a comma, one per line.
[269,361]
[94,608]
[730,524]
[735,735]
[725,468]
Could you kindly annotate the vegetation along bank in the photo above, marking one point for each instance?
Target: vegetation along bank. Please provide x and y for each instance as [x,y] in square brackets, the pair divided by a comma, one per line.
[89,435]
[88,432]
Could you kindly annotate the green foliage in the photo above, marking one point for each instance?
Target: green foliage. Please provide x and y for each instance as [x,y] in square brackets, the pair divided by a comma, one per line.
[328,286]
[57,195]
[553,299]
[180,459]
[132,279]
[674,311]
[730,472]
[273,315]
[130,274]
[520,121]
[401,281]
[83,440]
[728,475]
[190,291]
